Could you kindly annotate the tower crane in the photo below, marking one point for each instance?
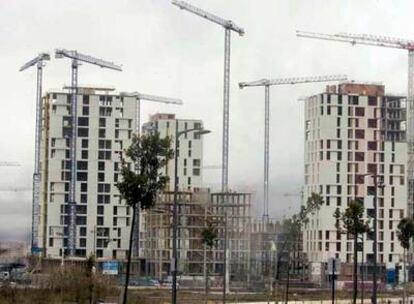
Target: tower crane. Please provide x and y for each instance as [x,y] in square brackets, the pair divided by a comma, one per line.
[387,42]
[9,164]
[147,97]
[15,189]
[266,83]
[154,98]
[77,58]
[39,61]
[228,27]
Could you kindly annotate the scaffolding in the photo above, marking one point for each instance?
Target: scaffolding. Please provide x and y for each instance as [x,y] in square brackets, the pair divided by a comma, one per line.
[195,211]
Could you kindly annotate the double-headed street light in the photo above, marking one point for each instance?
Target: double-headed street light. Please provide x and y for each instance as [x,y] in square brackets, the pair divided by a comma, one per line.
[198,131]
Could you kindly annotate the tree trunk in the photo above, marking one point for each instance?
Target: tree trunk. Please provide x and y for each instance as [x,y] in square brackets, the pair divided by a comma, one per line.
[405,275]
[354,300]
[205,274]
[131,234]
[288,280]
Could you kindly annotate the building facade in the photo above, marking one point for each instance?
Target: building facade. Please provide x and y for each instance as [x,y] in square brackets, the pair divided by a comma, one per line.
[106,122]
[352,133]
[190,150]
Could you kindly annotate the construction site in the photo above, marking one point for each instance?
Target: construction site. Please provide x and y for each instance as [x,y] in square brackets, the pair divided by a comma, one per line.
[311,201]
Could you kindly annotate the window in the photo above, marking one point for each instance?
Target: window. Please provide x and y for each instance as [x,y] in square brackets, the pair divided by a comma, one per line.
[82,165]
[359,156]
[81,220]
[196,171]
[82,176]
[83,121]
[372,100]
[106,188]
[101,166]
[338,246]
[85,111]
[353,100]
[84,154]
[372,145]
[101,177]
[82,231]
[104,144]
[372,123]
[360,133]
[84,187]
[359,111]
[102,133]
[105,111]
[100,221]
[189,181]
[100,210]
[84,143]
[82,242]
[84,198]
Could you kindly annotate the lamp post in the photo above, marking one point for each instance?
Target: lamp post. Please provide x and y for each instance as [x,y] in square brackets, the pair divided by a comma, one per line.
[374,273]
[198,131]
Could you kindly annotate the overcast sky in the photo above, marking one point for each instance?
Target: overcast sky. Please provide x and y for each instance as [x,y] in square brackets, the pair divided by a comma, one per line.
[170,52]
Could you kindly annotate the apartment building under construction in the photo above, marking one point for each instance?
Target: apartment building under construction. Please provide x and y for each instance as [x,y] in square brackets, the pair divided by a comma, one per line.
[229,212]
[106,122]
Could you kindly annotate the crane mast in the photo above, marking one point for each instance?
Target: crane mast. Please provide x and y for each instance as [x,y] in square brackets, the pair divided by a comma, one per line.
[266,83]
[228,27]
[39,62]
[76,59]
[9,164]
[153,98]
[388,42]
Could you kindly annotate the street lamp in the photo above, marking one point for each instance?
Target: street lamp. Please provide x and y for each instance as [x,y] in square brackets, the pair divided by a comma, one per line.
[198,131]
[374,273]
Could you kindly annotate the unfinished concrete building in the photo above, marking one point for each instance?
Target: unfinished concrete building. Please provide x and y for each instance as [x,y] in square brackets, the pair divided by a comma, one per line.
[229,212]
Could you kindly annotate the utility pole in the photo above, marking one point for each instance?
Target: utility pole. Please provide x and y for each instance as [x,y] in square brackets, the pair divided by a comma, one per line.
[39,62]
[266,83]
[77,58]
[228,27]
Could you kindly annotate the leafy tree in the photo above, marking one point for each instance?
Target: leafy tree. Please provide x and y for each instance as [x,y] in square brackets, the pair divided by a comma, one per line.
[405,233]
[209,235]
[208,238]
[141,184]
[293,227]
[351,222]
[292,230]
